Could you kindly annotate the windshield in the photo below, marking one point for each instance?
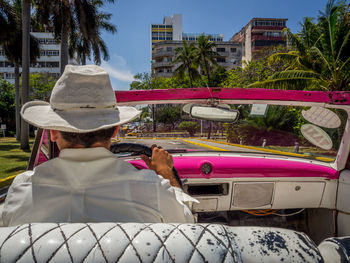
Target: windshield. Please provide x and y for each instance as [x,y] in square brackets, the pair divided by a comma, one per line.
[304,132]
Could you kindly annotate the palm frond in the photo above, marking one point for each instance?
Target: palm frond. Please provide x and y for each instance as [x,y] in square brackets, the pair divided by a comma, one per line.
[295,74]
[298,83]
[317,51]
[285,57]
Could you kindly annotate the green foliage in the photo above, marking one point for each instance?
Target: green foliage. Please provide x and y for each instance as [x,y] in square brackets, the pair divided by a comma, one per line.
[7,105]
[41,86]
[277,127]
[145,113]
[12,44]
[168,115]
[259,69]
[190,126]
[185,57]
[322,54]
[205,57]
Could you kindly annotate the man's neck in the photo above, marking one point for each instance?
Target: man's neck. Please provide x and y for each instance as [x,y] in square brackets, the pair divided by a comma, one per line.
[106,145]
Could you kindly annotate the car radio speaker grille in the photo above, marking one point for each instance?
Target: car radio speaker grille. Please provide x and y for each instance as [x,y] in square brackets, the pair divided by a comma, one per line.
[251,195]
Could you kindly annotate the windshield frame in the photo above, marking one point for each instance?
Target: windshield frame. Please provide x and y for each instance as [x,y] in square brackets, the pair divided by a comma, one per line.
[326,99]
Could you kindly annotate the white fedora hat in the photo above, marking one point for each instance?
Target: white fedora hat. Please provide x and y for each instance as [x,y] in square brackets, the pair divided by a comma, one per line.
[82,100]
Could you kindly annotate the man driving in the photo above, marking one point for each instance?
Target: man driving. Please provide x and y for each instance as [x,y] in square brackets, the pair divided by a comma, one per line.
[87,183]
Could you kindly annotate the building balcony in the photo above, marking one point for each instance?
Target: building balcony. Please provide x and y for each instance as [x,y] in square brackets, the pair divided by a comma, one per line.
[164,74]
[259,37]
[262,28]
[161,64]
[223,54]
[163,54]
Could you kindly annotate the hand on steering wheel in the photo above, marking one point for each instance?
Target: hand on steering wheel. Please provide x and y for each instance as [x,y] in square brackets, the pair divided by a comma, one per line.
[156,159]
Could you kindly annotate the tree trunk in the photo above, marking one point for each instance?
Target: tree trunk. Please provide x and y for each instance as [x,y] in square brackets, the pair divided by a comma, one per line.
[64,47]
[17,102]
[209,130]
[83,59]
[25,69]
[154,118]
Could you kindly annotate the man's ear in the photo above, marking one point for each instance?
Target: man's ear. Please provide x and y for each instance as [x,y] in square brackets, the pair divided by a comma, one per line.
[54,135]
[115,131]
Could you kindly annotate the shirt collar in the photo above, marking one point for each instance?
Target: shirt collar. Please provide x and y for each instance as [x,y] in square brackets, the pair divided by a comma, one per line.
[85,154]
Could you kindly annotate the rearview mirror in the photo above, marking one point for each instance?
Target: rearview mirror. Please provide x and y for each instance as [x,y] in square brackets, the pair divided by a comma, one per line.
[214,113]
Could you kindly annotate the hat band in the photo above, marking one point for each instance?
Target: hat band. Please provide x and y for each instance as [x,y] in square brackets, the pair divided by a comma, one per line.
[87,107]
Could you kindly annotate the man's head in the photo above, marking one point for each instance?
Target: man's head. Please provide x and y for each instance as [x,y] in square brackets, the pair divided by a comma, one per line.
[100,138]
[82,101]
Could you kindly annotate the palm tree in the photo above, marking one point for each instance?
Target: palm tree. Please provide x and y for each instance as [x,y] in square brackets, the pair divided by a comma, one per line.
[321,59]
[70,16]
[185,57]
[205,55]
[13,51]
[6,17]
[25,69]
[81,47]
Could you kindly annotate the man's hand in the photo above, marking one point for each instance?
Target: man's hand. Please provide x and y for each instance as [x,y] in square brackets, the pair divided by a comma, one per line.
[162,163]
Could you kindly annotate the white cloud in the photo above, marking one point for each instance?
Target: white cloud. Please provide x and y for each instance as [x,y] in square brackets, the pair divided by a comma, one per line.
[119,74]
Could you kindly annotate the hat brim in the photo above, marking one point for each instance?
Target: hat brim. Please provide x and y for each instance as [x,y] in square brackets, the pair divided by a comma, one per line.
[40,114]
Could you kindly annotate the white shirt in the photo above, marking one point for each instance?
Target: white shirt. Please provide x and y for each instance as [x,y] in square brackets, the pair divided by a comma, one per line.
[92,185]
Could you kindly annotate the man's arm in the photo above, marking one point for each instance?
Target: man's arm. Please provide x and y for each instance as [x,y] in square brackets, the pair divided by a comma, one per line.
[162,163]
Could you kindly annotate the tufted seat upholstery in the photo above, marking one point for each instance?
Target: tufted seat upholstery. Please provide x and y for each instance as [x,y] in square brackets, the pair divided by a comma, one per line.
[135,242]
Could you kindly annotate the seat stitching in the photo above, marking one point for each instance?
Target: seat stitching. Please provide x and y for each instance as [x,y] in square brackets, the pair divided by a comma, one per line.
[97,242]
[130,241]
[66,243]
[58,248]
[33,242]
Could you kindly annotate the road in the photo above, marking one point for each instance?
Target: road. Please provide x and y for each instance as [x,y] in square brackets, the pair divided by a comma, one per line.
[166,143]
[185,144]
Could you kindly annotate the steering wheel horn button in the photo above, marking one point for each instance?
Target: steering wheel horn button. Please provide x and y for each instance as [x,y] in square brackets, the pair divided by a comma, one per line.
[206,168]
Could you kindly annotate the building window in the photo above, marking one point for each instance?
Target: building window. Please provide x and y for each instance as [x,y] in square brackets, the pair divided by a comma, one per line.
[222,60]
[233,49]
[220,49]
[9,64]
[52,53]
[52,64]
[10,75]
[51,41]
[169,38]
[2,53]
[169,59]
[169,49]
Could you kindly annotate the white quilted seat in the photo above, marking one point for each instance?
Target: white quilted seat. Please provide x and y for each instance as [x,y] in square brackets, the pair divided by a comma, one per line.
[135,242]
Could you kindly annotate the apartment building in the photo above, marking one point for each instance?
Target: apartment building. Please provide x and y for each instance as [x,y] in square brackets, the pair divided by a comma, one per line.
[258,34]
[170,29]
[229,56]
[166,37]
[49,61]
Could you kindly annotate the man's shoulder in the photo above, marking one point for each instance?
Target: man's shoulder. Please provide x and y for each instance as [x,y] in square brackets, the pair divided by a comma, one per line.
[25,177]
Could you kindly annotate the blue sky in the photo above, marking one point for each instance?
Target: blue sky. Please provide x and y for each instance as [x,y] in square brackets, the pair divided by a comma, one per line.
[130,47]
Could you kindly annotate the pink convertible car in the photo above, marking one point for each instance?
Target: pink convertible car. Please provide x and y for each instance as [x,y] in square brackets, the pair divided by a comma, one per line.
[272,181]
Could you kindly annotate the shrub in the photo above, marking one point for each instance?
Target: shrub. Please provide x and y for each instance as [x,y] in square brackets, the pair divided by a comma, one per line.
[190,126]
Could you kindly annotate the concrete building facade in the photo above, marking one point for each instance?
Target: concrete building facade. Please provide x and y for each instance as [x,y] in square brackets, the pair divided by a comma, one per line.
[258,34]
[166,37]
[49,61]
[229,56]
